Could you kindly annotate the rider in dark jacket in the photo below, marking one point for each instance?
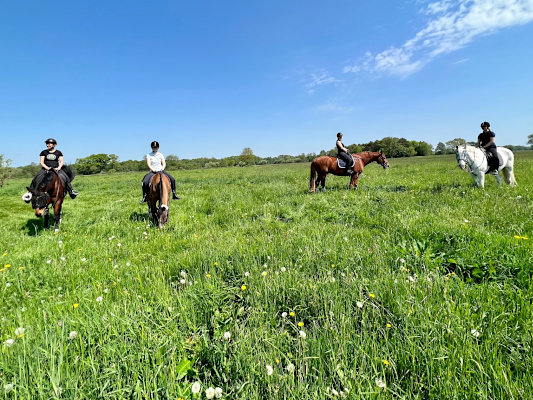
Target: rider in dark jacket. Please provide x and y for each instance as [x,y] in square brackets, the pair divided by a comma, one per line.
[344,154]
[487,140]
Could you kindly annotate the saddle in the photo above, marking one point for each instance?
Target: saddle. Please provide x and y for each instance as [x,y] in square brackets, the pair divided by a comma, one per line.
[493,163]
[342,164]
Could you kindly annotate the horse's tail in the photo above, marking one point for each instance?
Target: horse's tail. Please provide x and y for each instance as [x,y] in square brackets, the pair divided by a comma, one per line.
[508,171]
[312,183]
[69,172]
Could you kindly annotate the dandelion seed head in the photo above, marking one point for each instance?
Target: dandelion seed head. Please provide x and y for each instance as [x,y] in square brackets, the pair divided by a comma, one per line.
[302,334]
[73,335]
[218,392]
[227,335]
[291,368]
[8,387]
[380,383]
[283,314]
[246,274]
[210,393]
[270,370]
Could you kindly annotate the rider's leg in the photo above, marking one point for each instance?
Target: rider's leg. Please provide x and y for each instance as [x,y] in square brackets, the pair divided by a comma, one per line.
[68,187]
[172,186]
[145,186]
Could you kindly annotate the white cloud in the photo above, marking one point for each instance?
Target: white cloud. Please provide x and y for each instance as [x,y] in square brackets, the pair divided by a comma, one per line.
[452,25]
[319,78]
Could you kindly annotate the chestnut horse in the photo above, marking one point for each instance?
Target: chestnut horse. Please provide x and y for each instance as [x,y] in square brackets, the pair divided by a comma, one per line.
[159,192]
[50,189]
[324,165]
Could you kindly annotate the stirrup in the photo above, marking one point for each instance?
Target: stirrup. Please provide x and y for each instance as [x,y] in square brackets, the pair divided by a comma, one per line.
[73,194]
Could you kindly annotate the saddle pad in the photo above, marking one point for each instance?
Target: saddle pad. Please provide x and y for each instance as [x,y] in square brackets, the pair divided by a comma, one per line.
[342,164]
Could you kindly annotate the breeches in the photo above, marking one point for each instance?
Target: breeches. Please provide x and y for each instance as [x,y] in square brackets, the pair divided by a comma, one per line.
[148,176]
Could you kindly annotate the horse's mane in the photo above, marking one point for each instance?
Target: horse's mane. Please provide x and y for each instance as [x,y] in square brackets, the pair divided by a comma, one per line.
[69,172]
[44,181]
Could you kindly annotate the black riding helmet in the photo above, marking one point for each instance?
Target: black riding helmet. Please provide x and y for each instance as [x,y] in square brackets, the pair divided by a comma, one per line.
[339,134]
[50,140]
[485,125]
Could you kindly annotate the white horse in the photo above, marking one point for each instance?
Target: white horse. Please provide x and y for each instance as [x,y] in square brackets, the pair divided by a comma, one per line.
[475,160]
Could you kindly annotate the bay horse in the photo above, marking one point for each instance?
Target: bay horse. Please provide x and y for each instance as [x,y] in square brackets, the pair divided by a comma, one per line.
[323,165]
[475,160]
[50,189]
[159,192]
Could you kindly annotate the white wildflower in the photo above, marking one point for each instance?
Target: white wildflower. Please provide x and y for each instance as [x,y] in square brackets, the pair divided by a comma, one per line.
[270,370]
[209,393]
[183,274]
[475,333]
[99,299]
[218,392]
[8,284]
[183,281]
[83,259]
[20,331]
[334,392]
[227,335]
[246,273]
[359,304]
[9,342]
[380,383]
[60,323]
[290,368]
[283,269]
[284,314]
[128,264]
[466,221]
[8,387]
[63,258]
[73,335]
[106,290]
[196,386]
[48,261]
[302,334]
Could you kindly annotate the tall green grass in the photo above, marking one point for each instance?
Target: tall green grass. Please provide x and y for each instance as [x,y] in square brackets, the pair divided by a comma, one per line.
[415,286]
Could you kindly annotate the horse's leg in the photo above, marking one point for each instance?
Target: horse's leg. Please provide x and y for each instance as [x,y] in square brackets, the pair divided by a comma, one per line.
[498,178]
[46,217]
[482,180]
[354,180]
[323,181]
[57,213]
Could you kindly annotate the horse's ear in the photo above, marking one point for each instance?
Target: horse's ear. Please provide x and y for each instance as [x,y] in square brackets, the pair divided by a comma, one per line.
[29,189]
[380,152]
[457,147]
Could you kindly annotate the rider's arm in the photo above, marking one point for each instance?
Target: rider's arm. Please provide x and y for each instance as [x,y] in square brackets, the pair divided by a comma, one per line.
[148,162]
[46,167]
[491,142]
[163,163]
[60,163]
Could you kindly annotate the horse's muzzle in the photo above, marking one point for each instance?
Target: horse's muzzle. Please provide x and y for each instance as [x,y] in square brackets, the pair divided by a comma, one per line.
[39,212]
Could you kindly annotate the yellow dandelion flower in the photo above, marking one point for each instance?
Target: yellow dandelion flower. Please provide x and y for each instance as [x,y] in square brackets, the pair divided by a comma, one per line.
[292,314]
[216,263]
[208,275]
[20,336]
[75,305]
[516,237]
[385,362]
[524,237]
[388,325]
[21,268]
[332,265]
[2,269]
[79,249]
[109,259]
[300,324]
[5,254]
[7,266]
[277,360]
[264,273]
[85,236]
[372,295]
[195,236]
[243,287]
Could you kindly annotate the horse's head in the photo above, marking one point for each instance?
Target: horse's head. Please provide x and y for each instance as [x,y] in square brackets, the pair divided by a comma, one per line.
[382,160]
[39,200]
[162,215]
[460,156]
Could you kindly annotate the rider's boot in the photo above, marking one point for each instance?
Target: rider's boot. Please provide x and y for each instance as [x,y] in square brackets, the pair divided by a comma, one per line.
[143,199]
[72,193]
[174,195]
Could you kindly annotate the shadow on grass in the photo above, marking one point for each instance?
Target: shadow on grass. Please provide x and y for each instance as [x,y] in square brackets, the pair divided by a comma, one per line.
[33,226]
[139,217]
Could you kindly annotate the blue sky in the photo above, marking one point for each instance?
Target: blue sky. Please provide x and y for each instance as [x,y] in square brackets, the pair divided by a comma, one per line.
[208,78]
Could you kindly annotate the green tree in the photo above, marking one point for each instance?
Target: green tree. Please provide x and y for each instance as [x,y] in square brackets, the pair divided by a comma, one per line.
[423,149]
[96,163]
[440,149]
[452,144]
[247,156]
[530,140]
[5,169]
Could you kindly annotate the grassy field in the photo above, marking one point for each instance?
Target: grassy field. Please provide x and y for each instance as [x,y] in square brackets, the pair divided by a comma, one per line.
[415,286]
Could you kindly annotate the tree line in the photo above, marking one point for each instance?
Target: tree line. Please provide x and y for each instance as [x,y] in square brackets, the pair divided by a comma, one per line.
[393,147]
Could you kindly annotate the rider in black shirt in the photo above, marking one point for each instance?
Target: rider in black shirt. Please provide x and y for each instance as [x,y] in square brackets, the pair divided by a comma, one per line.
[51,158]
[487,140]
[344,154]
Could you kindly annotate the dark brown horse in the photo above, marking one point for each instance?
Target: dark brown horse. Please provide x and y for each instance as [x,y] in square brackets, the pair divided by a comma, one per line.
[323,165]
[49,189]
[159,192]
